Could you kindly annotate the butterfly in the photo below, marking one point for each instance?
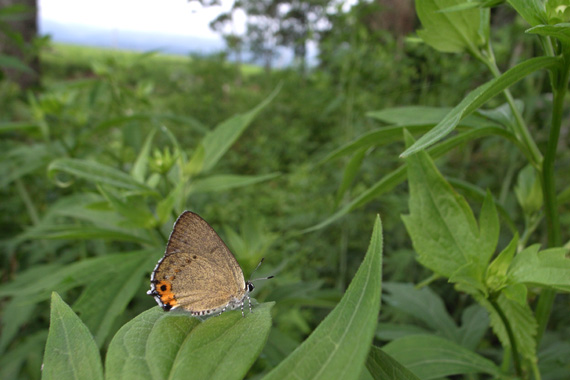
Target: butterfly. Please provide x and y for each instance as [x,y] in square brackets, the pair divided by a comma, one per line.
[198,272]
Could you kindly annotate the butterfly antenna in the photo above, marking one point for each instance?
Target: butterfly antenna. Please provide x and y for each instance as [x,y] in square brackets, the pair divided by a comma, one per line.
[261,278]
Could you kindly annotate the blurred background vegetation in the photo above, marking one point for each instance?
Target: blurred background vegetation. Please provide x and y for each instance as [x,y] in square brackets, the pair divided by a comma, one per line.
[101,106]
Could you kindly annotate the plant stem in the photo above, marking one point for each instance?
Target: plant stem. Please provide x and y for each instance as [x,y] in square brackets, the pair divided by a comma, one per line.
[25,196]
[514,349]
[560,86]
[521,130]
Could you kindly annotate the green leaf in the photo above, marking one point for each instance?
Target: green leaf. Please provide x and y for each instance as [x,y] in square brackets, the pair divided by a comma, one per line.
[433,357]
[521,320]
[528,190]
[96,172]
[474,324]
[350,172]
[18,126]
[559,31]
[391,180]
[21,161]
[477,194]
[550,267]
[138,172]
[517,293]
[338,347]
[71,352]
[416,119]
[376,138]
[30,348]
[37,283]
[489,227]
[422,304]
[449,32]
[391,331]
[126,354]
[217,142]
[227,181]
[382,366]
[133,209]
[84,232]
[196,163]
[14,63]
[477,98]
[104,299]
[533,11]
[441,224]
[15,314]
[165,206]
[164,343]
[222,347]
[496,276]
[175,345]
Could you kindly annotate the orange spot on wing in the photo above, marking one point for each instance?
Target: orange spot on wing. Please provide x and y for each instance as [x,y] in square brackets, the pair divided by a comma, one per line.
[164,290]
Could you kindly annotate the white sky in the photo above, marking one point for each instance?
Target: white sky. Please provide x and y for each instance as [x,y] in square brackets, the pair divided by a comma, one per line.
[164,16]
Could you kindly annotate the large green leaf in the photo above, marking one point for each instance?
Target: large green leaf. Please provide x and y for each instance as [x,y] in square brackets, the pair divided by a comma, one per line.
[217,142]
[443,229]
[126,354]
[449,31]
[71,352]
[222,347]
[337,348]
[383,367]
[433,357]
[175,345]
[477,98]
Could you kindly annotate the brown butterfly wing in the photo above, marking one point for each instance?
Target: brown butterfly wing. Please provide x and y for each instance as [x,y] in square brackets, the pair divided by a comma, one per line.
[198,272]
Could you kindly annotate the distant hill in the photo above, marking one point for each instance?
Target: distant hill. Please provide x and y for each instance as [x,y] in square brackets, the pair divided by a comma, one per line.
[78,34]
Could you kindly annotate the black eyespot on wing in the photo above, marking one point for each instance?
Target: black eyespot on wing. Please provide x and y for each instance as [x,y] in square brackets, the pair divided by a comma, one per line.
[163,288]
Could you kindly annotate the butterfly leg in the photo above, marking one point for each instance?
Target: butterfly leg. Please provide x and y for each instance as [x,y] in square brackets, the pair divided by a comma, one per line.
[249,303]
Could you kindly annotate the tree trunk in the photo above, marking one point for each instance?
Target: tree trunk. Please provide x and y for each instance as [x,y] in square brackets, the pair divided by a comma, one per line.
[16,40]
[397,16]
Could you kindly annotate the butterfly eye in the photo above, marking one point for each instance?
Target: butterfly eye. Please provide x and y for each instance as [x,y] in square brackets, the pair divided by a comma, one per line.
[249,286]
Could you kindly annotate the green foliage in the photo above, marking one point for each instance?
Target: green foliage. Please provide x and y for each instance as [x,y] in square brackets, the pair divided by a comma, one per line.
[71,351]
[338,346]
[431,357]
[97,164]
[448,239]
